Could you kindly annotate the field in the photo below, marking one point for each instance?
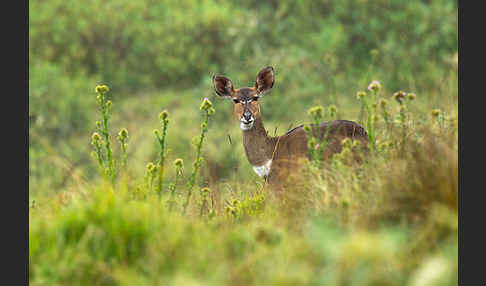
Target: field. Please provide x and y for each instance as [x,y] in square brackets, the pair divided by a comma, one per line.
[107,219]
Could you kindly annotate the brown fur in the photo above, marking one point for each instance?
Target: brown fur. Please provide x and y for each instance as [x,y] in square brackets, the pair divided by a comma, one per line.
[286,150]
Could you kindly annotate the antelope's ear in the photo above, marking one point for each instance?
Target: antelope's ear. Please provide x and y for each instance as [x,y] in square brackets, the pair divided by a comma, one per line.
[223,86]
[265,80]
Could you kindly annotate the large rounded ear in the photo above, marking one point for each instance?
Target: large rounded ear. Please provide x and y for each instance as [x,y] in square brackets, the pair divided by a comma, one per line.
[265,80]
[223,86]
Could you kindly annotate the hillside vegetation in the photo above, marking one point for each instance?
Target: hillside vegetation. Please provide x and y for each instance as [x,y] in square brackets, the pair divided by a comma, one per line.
[99,219]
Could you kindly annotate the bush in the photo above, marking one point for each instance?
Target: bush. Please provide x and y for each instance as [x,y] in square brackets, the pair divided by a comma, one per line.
[179,43]
[131,44]
[58,105]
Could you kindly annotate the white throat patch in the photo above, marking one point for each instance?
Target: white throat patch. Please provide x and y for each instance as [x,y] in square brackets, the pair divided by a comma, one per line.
[263,170]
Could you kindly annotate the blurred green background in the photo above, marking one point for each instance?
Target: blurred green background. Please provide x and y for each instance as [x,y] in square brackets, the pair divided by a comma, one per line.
[157,55]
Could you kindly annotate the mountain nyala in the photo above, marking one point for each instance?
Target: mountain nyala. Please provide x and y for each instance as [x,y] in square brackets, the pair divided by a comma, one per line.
[275,158]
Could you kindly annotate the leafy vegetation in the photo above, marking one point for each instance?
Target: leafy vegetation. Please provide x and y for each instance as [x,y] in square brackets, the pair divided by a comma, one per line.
[136,213]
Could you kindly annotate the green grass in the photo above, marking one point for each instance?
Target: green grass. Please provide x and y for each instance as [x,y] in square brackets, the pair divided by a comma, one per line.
[389,221]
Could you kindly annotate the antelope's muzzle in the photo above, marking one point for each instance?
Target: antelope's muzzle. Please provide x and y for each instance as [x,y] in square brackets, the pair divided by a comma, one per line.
[246,121]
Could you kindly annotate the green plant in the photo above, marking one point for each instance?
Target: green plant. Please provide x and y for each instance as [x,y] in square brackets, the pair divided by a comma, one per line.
[106,161]
[205,194]
[150,174]
[179,169]
[317,143]
[164,118]
[386,117]
[402,118]
[439,117]
[252,205]
[374,87]
[369,105]
[208,110]
[313,133]
[123,138]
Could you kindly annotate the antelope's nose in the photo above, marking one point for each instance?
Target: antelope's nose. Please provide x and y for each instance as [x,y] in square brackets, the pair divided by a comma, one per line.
[247,116]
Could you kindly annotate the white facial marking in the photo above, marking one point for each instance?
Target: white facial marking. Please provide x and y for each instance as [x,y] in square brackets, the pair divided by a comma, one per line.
[263,170]
[246,126]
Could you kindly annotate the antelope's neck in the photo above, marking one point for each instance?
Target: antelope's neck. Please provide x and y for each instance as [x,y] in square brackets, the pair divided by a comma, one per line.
[258,145]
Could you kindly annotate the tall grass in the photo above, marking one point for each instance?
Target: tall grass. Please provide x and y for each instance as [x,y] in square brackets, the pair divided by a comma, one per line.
[391,220]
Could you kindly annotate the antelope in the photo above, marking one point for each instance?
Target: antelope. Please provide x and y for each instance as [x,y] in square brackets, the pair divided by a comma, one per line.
[274,158]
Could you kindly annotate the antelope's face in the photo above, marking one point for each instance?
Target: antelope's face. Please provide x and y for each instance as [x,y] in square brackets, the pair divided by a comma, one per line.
[246,106]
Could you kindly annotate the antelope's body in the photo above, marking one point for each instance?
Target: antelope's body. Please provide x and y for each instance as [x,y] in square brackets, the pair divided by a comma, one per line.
[275,158]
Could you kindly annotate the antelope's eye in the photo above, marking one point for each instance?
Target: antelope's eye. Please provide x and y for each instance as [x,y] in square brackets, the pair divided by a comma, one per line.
[236,100]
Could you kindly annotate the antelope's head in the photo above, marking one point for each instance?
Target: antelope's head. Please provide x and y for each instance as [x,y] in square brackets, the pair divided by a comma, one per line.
[247,108]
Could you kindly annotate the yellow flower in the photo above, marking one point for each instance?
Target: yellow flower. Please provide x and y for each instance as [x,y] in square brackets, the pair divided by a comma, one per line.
[164,115]
[206,104]
[316,111]
[205,191]
[101,88]
[95,138]
[435,112]
[346,142]
[332,109]
[374,86]
[123,134]
[179,163]
[150,167]
[360,95]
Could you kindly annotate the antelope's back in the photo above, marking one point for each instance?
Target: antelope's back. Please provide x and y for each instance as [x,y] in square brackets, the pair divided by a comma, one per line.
[340,129]
[344,128]
[294,142]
